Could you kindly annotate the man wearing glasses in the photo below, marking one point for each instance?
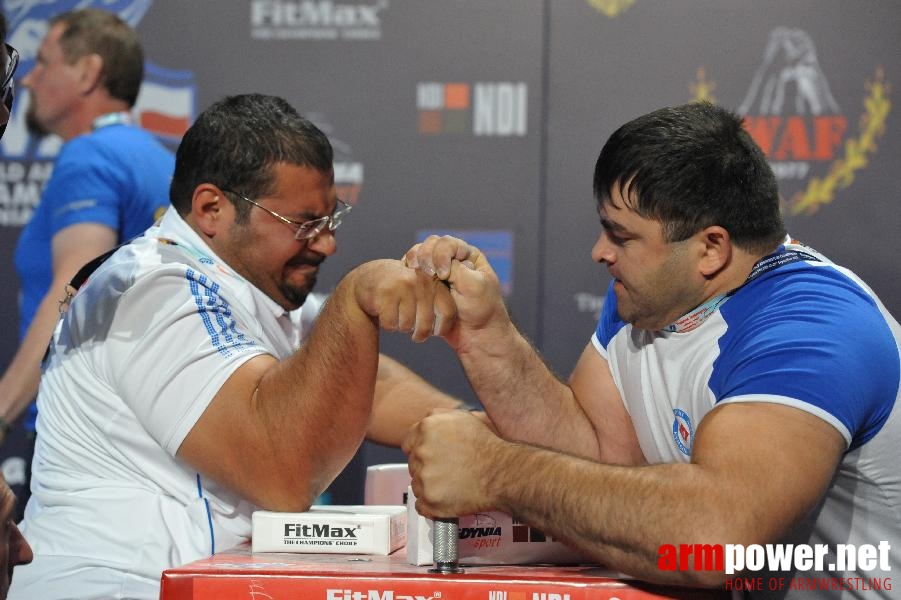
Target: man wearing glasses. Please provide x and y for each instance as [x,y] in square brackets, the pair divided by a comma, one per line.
[175,399]
[14,549]
[10,63]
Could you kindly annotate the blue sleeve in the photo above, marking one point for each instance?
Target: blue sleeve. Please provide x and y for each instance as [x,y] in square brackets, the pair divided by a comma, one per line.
[819,343]
[83,188]
[609,322]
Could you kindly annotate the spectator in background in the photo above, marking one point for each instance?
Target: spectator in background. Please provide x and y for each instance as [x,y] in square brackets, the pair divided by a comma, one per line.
[109,182]
[14,549]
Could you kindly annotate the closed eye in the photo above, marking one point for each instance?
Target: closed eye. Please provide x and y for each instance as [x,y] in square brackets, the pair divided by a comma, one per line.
[614,232]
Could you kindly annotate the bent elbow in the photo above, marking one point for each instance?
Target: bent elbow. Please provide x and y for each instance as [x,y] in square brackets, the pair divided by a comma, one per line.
[285,501]
[286,494]
[707,579]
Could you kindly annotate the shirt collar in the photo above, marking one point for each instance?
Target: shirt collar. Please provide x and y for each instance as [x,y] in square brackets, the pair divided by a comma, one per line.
[114,118]
[173,227]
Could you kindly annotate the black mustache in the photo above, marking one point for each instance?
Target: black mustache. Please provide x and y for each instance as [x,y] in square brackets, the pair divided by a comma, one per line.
[313,260]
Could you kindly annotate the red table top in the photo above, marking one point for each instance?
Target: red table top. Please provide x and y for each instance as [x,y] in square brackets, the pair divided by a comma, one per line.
[237,573]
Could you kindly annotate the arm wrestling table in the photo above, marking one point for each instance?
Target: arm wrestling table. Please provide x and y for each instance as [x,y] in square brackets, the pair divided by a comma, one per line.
[237,573]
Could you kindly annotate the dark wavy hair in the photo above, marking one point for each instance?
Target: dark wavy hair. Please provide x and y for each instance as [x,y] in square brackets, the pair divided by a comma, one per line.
[235,144]
[690,167]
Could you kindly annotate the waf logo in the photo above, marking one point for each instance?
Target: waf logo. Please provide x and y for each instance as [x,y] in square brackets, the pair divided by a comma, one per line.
[815,150]
[682,431]
[498,109]
[611,8]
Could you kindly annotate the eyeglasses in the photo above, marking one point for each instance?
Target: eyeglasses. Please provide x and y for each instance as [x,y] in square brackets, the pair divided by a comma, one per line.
[306,230]
[12,63]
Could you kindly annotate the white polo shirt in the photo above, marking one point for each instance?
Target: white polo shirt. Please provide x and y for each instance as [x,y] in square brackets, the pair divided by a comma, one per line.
[146,344]
[804,333]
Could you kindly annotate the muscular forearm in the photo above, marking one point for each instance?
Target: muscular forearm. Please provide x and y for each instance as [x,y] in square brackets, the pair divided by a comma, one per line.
[401,399]
[523,398]
[623,515]
[279,432]
[618,515]
[318,402]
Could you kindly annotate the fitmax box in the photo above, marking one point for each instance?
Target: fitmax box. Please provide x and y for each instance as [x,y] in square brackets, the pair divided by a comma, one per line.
[331,529]
[490,538]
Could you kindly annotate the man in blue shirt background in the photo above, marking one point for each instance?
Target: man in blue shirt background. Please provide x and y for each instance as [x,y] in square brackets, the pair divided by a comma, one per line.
[109,182]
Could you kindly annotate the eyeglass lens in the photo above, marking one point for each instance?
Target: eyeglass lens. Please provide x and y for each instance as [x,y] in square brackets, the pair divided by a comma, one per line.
[12,61]
[311,229]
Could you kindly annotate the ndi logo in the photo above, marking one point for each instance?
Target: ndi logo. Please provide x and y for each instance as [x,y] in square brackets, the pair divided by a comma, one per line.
[316,20]
[491,109]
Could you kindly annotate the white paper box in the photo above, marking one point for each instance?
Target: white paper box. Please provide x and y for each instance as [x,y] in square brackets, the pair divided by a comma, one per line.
[491,538]
[331,529]
[386,484]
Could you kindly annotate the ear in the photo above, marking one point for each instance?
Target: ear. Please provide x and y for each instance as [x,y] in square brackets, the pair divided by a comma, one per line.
[91,72]
[717,250]
[209,209]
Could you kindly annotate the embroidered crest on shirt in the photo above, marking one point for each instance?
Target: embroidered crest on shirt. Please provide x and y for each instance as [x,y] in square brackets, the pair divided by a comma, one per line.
[683,432]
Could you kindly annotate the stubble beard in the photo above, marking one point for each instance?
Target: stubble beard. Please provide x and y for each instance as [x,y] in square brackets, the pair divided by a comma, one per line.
[297,294]
[32,123]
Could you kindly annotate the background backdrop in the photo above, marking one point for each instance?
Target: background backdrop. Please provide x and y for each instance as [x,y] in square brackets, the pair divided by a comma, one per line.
[485,117]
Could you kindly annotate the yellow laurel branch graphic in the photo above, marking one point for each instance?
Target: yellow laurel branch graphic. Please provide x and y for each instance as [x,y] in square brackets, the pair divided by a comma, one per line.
[857,151]
[702,89]
[611,8]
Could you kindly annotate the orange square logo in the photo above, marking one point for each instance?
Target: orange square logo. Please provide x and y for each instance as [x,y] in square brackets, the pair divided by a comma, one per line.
[430,121]
[456,96]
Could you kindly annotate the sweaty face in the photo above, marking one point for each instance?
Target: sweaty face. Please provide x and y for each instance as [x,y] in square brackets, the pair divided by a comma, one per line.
[263,249]
[655,281]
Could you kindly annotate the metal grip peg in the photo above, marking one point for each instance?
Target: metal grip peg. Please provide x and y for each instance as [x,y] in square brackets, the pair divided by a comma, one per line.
[445,543]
